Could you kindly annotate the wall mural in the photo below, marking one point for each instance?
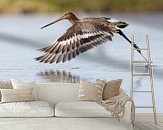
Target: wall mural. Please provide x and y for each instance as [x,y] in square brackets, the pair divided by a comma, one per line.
[21,36]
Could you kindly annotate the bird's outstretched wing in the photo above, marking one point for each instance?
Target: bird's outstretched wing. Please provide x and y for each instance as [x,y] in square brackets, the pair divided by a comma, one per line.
[79,38]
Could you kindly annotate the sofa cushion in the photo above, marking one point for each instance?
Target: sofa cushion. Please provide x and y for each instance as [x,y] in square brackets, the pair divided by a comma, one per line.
[26,109]
[16,95]
[18,84]
[80,109]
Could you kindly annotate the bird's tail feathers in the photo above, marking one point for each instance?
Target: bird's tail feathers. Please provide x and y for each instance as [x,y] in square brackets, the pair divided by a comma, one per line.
[120,24]
[116,23]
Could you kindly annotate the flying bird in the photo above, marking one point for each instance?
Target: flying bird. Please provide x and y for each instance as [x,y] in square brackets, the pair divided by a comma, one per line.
[83,35]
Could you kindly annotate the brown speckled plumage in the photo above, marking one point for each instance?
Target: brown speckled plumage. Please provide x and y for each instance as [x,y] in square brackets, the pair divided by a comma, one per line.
[83,35]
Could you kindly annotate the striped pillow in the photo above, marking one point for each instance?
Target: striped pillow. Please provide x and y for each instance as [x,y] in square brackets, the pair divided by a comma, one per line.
[5,85]
[91,91]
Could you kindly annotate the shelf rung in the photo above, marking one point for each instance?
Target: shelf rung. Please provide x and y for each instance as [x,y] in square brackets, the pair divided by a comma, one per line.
[141,49]
[140,62]
[142,91]
[141,74]
[143,106]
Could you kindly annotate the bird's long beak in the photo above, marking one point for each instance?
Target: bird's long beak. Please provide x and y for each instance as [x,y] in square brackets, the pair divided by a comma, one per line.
[59,19]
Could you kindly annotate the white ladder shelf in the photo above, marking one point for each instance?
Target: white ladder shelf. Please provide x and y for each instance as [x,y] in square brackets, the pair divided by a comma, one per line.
[148,74]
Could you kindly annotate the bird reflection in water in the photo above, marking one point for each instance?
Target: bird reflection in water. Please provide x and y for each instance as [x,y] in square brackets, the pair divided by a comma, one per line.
[59,76]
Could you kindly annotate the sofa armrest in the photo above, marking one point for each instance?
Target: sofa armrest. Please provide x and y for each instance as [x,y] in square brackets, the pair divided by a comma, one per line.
[127,112]
[126,120]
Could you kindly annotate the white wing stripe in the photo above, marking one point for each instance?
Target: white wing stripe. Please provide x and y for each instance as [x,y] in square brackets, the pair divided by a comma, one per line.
[78,37]
[83,36]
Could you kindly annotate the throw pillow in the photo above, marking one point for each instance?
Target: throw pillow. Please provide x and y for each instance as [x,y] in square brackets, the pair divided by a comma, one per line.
[111,88]
[17,84]
[16,95]
[91,91]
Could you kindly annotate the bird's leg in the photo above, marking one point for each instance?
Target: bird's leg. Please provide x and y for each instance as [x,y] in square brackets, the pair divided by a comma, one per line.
[135,46]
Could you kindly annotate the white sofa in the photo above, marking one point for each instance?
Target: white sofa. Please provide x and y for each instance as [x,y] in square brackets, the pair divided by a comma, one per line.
[57,108]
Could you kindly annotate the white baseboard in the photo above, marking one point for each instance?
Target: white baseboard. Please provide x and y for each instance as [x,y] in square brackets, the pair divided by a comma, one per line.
[148,117]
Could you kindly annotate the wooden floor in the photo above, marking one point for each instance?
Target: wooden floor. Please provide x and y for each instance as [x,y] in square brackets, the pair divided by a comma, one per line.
[148,126]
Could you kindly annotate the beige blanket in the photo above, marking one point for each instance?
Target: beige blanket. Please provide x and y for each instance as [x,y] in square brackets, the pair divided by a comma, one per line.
[116,106]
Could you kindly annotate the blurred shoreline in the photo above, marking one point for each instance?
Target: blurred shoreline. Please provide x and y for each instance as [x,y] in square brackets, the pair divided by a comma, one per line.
[86,6]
